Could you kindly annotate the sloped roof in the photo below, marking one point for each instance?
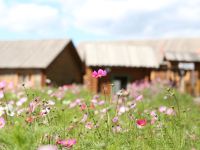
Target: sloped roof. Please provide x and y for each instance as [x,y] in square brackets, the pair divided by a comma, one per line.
[182,56]
[183,49]
[175,49]
[128,53]
[182,45]
[118,54]
[30,53]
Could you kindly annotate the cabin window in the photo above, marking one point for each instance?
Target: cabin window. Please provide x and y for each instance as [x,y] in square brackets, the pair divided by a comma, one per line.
[120,82]
[24,78]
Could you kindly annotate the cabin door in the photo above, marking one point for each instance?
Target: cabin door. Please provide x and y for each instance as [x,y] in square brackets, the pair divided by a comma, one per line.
[120,82]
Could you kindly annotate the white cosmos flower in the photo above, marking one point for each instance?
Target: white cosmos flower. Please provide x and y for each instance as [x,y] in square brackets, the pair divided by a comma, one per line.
[123,109]
[11,113]
[1,111]
[50,102]
[20,111]
[49,92]
[1,94]
[9,110]
[19,103]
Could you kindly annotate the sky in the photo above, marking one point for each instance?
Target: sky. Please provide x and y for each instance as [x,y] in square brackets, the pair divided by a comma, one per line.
[92,20]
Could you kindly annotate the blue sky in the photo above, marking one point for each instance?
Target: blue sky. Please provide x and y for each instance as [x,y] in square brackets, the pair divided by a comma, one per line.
[87,20]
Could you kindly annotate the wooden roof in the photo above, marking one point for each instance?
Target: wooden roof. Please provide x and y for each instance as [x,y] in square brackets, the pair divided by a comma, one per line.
[30,53]
[119,54]
[139,53]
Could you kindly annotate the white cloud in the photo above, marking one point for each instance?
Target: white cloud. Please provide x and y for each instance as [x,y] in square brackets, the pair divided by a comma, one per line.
[107,18]
[133,18]
[97,13]
[189,11]
[28,17]
[2,7]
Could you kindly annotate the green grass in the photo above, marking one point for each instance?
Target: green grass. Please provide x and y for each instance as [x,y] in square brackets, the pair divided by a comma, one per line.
[169,132]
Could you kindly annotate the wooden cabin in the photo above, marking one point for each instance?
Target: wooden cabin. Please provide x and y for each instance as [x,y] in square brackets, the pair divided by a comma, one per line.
[125,63]
[181,63]
[34,61]
[176,60]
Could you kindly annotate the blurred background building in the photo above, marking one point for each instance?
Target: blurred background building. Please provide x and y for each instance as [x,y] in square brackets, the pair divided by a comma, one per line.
[174,60]
[35,61]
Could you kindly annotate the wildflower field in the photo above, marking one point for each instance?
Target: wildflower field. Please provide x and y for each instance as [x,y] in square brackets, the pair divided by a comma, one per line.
[145,116]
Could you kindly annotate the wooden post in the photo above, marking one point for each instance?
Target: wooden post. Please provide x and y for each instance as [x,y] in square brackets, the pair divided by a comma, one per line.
[182,81]
[90,82]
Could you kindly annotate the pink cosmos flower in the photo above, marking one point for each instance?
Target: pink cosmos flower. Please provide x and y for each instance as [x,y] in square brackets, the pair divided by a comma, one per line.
[170,111]
[83,106]
[117,129]
[2,84]
[94,74]
[72,105]
[154,116]
[139,97]
[85,116]
[94,101]
[133,106]
[11,85]
[96,97]
[99,74]
[89,125]
[67,143]
[162,109]
[101,102]
[33,105]
[78,101]
[21,101]
[153,113]
[153,120]
[115,119]
[141,123]
[2,122]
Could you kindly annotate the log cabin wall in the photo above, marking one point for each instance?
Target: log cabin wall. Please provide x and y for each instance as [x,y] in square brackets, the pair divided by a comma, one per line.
[66,68]
[191,79]
[19,76]
[105,84]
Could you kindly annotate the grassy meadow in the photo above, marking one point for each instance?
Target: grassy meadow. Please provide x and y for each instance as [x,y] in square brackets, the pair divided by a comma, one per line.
[145,116]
